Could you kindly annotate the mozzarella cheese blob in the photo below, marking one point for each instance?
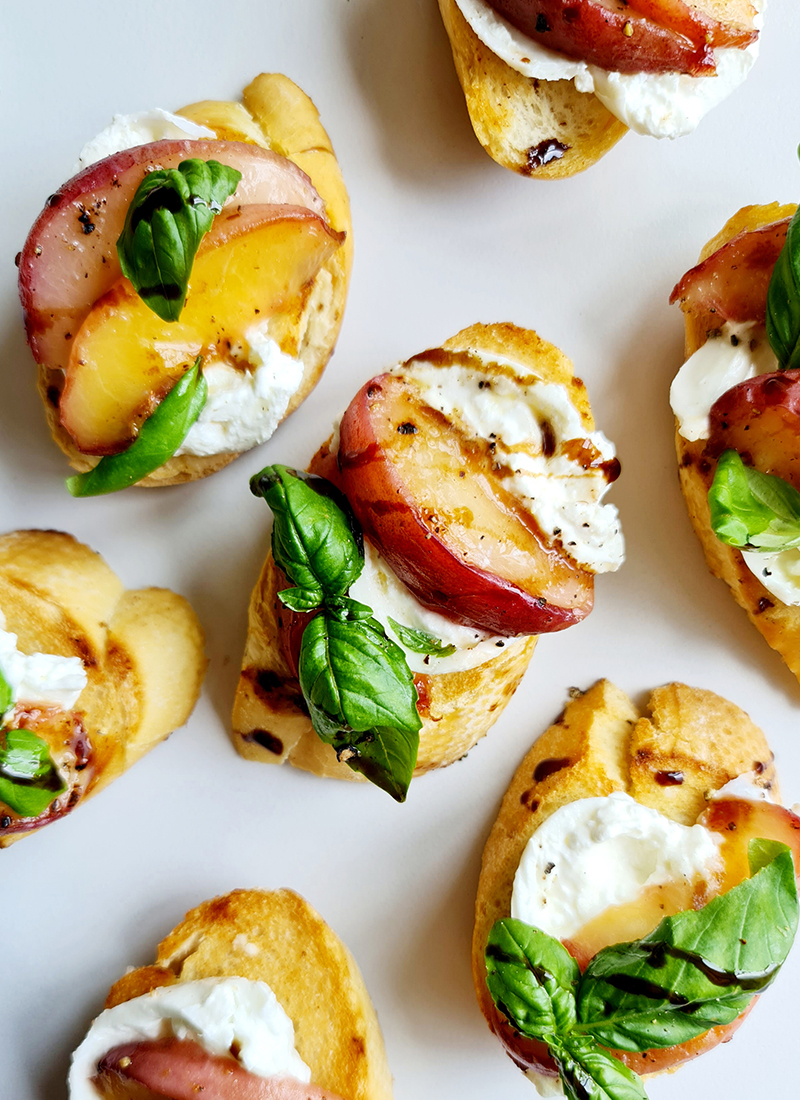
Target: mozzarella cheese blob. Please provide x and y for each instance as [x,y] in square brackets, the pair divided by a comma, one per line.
[244,405]
[128,131]
[217,1013]
[561,494]
[738,353]
[745,787]
[381,589]
[659,104]
[599,852]
[39,679]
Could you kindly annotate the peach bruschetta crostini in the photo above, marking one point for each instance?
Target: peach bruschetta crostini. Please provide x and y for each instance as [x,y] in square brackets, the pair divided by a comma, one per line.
[736,401]
[184,291]
[251,997]
[552,85]
[637,891]
[91,676]
[454,516]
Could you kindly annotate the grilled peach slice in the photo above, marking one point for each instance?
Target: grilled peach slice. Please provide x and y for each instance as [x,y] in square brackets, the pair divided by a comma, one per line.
[253,264]
[435,506]
[760,419]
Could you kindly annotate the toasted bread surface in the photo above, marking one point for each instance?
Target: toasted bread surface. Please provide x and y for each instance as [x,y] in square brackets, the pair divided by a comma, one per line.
[142,650]
[601,743]
[276,115]
[276,937]
[778,623]
[545,129]
[270,720]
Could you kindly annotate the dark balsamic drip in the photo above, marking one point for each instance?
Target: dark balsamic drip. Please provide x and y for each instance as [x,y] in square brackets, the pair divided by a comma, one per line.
[160,198]
[266,740]
[541,154]
[669,779]
[499,955]
[170,291]
[611,470]
[548,439]
[545,768]
[657,955]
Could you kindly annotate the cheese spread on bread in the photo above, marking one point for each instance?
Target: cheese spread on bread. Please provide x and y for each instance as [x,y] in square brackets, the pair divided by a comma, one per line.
[735,354]
[127,131]
[598,852]
[659,104]
[533,429]
[217,1013]
[43,679]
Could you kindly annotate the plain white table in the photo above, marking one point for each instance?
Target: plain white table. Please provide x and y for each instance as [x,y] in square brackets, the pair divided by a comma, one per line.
[443,238]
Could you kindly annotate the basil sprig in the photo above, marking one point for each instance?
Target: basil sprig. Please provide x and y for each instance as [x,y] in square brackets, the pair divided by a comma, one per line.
[29,781]
[168,217]
[356,683]
[420,641]
[783,301]
[751,510]
[697,970]
[159,438]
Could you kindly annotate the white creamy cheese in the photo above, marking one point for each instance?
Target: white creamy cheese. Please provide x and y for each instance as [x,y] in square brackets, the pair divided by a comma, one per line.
[779,573]
[379,588]
[40,679]
[743,786]
[599,852]
[658,104]
[244,406]
[128,131]
[214,1012]
[563,497]
[738,353]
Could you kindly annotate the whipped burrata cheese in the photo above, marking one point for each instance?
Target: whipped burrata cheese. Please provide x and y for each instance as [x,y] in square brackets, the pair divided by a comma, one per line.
[745,786]
[599,852]
[381,589]
[214,1012]
[39,679]
[659,104]
[531,427]
[738,353]
[128,131]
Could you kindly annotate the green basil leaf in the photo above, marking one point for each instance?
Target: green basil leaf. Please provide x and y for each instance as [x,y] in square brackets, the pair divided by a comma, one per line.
[589,1073]
[783,301]
[751,510]
[419,641]
[25,755]
[168,217]
[6,695]
[159,438]
[25,799]
[697,970]
[532,978]
[313,541]
[301,599]
[361,698]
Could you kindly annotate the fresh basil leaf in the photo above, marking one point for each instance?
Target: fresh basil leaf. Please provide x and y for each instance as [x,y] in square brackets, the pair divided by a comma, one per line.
[751,510]
[361,698]
[532,978]
[301,599]
[159,438]
[783,300]
[312,538]
[698,969]
[589,1073]
[25,799]
[168,217]
[419,641]
[6,695]
[25,755]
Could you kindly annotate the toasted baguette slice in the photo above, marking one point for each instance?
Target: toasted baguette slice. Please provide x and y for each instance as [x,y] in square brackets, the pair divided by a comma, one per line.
[270,720]
[277,938]
[142,652]
[277,115]
[602,743]
[779,624]
[545,129]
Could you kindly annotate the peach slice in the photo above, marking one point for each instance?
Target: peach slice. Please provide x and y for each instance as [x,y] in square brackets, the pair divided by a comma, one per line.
[257,262]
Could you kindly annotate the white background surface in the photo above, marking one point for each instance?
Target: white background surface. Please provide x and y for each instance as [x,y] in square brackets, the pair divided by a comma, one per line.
[443,238]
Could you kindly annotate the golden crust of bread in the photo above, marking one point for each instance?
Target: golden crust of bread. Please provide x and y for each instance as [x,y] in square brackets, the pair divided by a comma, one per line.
[517,119]
[270,722]
[777,623]
[276,937]
[601,743]
[142,650]
[277,115]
